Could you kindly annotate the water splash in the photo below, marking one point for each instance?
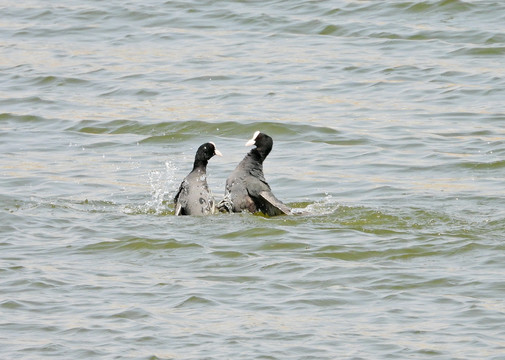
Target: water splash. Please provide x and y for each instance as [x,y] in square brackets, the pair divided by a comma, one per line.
[325,206]
[163,185]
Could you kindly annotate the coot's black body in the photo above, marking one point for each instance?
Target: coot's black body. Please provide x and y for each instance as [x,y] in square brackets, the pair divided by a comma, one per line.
[246,187]
[194,196]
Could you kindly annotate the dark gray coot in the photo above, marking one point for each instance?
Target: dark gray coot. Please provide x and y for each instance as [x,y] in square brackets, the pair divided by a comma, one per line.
[246,187]
[194,196]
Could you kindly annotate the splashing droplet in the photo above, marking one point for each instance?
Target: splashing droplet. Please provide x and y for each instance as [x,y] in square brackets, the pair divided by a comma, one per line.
[162,184]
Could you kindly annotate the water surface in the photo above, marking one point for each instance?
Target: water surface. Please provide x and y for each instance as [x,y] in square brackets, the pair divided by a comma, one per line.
[387,119]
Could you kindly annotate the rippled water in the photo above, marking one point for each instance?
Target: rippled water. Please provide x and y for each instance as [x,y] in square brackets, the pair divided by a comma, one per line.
[388,122]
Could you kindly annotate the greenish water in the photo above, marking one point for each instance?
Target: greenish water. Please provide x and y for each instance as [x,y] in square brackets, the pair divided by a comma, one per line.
[389,143]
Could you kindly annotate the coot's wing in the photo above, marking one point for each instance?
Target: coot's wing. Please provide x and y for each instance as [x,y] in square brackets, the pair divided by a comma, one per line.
[178,209]
[181,198]
[271,205]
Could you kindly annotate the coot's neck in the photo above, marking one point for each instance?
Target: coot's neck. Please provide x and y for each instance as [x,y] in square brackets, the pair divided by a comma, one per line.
[259,154]
[200,164]
[253,161]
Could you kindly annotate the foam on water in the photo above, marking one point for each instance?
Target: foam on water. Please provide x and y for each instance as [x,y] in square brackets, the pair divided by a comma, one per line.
[325,206]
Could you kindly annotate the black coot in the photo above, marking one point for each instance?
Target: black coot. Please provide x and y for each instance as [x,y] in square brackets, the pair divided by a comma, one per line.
[246,187]
[194,196]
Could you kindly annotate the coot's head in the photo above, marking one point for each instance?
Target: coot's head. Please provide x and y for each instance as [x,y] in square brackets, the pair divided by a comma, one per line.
[263,142]
[205,152]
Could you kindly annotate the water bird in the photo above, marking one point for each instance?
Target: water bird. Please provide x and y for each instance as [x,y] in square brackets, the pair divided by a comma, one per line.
[246,187]
[194,196]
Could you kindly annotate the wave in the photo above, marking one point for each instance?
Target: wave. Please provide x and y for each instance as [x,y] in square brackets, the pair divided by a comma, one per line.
[184,130]
[435,6]
[17,119]
[133,243]
[480,51]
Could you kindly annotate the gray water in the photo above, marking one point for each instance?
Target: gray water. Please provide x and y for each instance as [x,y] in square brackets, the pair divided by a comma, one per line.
[389,143]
